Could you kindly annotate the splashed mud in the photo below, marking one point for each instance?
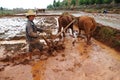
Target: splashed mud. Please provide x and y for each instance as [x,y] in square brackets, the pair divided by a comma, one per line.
[94,62]
[79,62]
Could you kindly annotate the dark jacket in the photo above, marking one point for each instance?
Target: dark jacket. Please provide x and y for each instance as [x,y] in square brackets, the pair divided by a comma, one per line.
[31,32]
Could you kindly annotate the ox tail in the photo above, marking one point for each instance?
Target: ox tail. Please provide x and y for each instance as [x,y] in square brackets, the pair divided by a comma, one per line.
[94,24]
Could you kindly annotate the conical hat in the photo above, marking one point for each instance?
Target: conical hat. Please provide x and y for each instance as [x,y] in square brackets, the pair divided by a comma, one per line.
[30,12]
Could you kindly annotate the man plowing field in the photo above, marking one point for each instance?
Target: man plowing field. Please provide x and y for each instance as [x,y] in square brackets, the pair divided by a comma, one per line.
[32,37]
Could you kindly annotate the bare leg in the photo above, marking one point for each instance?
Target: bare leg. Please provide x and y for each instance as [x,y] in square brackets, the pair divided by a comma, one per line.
[30,51]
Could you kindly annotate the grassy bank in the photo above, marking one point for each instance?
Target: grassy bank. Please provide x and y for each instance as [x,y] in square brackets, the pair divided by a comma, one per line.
[108,36]
[6,12]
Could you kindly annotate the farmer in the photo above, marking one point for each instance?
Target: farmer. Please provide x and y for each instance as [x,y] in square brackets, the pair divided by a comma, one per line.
[32,37]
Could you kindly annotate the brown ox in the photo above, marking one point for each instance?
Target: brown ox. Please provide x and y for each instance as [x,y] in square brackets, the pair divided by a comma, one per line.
[40,10]
[64,20]
[87,24]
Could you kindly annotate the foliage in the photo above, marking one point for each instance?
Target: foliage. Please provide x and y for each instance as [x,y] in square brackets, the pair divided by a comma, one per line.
[58,3]
[98,1]
[117,1]
[91,1]
[107,33]
[108,36]
[50,6]
[73,2]
[54,3]
[5,12]
[116,43]
[65,4]
[107,1]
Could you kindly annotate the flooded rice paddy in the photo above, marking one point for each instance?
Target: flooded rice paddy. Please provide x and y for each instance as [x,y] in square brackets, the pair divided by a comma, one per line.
[79,62]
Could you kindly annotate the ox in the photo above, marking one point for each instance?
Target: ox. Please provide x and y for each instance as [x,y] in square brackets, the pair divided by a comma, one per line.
[40,10]
[64,20]
[87,24]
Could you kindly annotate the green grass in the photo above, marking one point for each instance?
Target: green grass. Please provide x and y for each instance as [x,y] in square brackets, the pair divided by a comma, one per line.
[108,36]
[107,33]
[6,12]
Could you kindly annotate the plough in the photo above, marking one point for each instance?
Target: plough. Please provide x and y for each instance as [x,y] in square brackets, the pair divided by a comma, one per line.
[51,45]
[54,45]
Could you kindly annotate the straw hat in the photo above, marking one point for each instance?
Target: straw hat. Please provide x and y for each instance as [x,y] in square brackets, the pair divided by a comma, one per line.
[30,12]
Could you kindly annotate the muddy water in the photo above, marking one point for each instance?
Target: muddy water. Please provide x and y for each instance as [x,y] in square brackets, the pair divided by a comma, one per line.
[19,72]
[38,70]
[81,62]
[112,20]
[109,20]
[16,25]
[12,42]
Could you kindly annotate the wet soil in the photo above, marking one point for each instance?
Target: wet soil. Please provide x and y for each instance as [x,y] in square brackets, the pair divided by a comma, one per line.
[79,62]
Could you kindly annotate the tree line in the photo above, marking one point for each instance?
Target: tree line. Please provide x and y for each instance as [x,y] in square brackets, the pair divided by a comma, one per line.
[6,11]
[77,3]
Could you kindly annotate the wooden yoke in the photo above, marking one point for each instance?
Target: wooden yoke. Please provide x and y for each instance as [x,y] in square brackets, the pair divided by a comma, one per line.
[55,45]
[65,28]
